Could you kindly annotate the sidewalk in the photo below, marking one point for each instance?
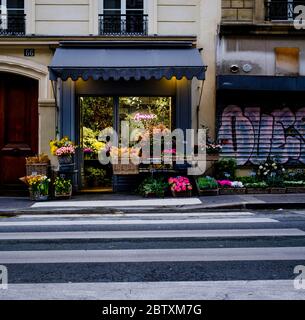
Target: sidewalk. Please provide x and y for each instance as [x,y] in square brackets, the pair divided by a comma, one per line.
[109,203]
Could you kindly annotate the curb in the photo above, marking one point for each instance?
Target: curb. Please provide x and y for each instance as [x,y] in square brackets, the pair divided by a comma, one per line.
[163,209]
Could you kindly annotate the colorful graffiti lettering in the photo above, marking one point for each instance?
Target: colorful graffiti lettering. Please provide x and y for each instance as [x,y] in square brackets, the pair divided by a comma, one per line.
[251,135]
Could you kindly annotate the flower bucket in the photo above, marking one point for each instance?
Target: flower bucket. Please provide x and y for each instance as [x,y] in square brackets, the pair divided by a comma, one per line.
[37,196]
[65,160]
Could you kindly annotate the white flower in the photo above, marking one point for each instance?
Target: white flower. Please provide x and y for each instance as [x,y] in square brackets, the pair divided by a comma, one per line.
[283,170]
[261,167]
[265,173]
[237,184]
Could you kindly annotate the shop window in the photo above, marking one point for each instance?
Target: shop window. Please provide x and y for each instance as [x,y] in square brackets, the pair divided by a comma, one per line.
[12,18]
[123,17]
[143,114]
[282,10]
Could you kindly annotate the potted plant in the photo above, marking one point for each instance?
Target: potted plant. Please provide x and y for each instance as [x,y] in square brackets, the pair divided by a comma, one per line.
[38,187]
[95,176]
[295,186]
[276,185]
[207,186]
[228,187]
[64,150]
[180,186]
[153,187]
[257,187]
[225,169]
[62,188]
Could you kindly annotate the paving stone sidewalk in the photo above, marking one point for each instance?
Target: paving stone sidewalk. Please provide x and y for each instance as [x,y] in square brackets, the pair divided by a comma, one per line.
[104,203]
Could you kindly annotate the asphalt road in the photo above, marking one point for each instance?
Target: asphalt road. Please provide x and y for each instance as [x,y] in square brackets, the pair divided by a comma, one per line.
[218,255]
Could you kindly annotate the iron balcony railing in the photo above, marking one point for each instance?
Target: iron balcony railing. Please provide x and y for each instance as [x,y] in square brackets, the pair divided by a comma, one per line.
[282,10]
[12,25]
[123,24]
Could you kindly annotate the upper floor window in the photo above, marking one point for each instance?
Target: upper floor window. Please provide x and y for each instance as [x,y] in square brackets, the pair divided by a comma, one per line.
[123,17]
[12,18]
[282,10]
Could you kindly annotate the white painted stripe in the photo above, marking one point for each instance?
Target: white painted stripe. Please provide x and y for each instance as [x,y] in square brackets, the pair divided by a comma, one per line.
[174,214]
[186,290]
[152,234]
[134,222]
[118,203]
[153,255]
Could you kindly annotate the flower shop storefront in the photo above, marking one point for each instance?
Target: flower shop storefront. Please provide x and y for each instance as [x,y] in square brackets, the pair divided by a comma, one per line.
[101,86]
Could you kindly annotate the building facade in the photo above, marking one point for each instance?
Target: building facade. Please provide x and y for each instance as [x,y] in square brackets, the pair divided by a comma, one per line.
[47,71]
[260,82]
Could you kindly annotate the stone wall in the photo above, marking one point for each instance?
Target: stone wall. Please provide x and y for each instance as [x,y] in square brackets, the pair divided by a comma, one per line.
[238,10]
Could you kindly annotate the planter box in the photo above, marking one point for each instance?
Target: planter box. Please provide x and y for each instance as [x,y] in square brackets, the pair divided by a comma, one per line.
[295,189]
[184,194]
[232,191]
[125,169]
[208,192]
[277,190]
[257,190]
[37,169]
[36,196]
[153,196]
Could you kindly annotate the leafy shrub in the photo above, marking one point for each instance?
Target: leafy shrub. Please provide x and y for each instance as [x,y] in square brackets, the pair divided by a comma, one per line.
[152,185]
[257,185]
[95,175]
[225,169]
[207,183]
[294,184]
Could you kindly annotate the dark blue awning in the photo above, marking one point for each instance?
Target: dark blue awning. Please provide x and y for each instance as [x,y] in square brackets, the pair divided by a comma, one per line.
[126,63]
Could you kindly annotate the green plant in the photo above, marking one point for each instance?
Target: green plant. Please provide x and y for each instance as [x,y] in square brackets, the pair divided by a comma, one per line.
[152,185]
[207,183]
[257,185]
[247,180]
[294,184]
[275,181]
[225,168]
[95,175]
[270,171]
[39,184]
[62,186]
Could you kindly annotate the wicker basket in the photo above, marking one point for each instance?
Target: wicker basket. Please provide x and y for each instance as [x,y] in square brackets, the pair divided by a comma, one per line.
[125,169]
[37,169]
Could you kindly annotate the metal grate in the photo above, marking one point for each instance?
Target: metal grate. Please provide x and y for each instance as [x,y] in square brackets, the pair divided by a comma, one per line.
[12,25]
[123,24]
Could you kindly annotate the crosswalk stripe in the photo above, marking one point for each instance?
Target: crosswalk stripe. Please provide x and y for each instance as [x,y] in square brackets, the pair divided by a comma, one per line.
[118,203]
[153,255]
[122,221]
[227,233]
[185,290]
[174,214]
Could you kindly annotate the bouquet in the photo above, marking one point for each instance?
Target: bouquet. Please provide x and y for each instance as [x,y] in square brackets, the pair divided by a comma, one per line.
[180,184]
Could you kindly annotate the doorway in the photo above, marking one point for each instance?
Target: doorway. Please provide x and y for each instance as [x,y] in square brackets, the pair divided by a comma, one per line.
[18,127]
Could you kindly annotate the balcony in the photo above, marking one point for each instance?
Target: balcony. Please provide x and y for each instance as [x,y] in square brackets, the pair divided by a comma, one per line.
[123,24]
[12,25]
[281,10]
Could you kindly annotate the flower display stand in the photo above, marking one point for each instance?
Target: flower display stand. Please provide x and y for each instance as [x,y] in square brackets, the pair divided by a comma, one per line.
[295,189]
[277,190]
[183,194]
[257,190]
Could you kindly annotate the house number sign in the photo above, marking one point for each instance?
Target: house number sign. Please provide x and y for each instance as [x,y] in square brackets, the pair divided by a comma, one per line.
[29,52]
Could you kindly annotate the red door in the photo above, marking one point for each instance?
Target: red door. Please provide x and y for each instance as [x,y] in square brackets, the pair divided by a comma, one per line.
[18,126]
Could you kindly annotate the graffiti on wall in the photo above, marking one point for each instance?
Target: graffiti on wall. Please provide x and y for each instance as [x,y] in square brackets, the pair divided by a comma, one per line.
[251,135]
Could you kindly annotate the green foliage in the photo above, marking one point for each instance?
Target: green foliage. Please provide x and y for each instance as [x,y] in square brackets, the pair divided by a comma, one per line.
[270,171]
[275,181]
[225,168]
[95,175]
[294,184]
[247,180]
[155,186]
[62,186]
[257,185]
[207,183]
[97,112]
